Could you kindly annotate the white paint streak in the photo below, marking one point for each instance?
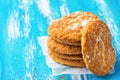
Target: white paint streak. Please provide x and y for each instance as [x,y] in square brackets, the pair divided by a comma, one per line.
[13,26]
[28,75]
[29,57]
[63,8]
[29,51]
[25,1]
[25,6]
[85,77]
[27,25]
[44,7]
[76,77]
[26,18]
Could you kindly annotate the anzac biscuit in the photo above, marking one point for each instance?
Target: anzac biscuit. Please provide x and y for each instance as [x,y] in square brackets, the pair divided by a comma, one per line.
[97,51]
[74,63]
[63,48]
[68,29]
[65,56]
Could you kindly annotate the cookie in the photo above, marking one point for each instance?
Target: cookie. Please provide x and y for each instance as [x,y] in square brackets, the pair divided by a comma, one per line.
[68,29]
[65,56]
[74,63]
[97,51]
[63,48]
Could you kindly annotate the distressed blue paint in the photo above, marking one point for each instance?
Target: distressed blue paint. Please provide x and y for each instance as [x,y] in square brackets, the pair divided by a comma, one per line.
[14,51]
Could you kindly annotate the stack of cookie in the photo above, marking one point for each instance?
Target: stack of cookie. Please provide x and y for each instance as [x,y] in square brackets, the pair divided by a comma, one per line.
[64,39]
[81,39]
[64,53]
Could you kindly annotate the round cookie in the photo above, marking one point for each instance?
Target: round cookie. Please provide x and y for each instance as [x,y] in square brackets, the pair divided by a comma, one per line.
[65,56]
[68,29]
[74,63]
[97,51]
[63,48]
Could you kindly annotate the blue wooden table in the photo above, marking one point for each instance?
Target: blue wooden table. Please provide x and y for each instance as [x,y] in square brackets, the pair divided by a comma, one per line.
[23,21]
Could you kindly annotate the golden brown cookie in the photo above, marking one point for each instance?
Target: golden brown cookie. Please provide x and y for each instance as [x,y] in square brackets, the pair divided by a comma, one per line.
[63,48]
[98,53]
[68,29]
[75,63]
[66,56]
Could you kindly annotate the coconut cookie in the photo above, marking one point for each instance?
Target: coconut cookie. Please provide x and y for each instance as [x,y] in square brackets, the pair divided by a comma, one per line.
[97,51]
[68,29]
[63,48]
[74,63]
[65,56]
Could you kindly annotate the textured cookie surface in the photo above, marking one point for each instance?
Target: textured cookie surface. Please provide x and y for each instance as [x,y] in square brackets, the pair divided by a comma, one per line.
[66,56]
[74,63]
[63,48]
[68,29]
[97,51]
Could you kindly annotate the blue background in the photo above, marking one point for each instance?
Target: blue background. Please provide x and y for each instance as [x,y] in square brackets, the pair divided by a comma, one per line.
[23,21]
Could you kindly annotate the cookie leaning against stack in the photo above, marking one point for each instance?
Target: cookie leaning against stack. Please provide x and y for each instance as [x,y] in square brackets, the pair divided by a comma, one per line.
[65,37]
[82,39]
[98,53]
